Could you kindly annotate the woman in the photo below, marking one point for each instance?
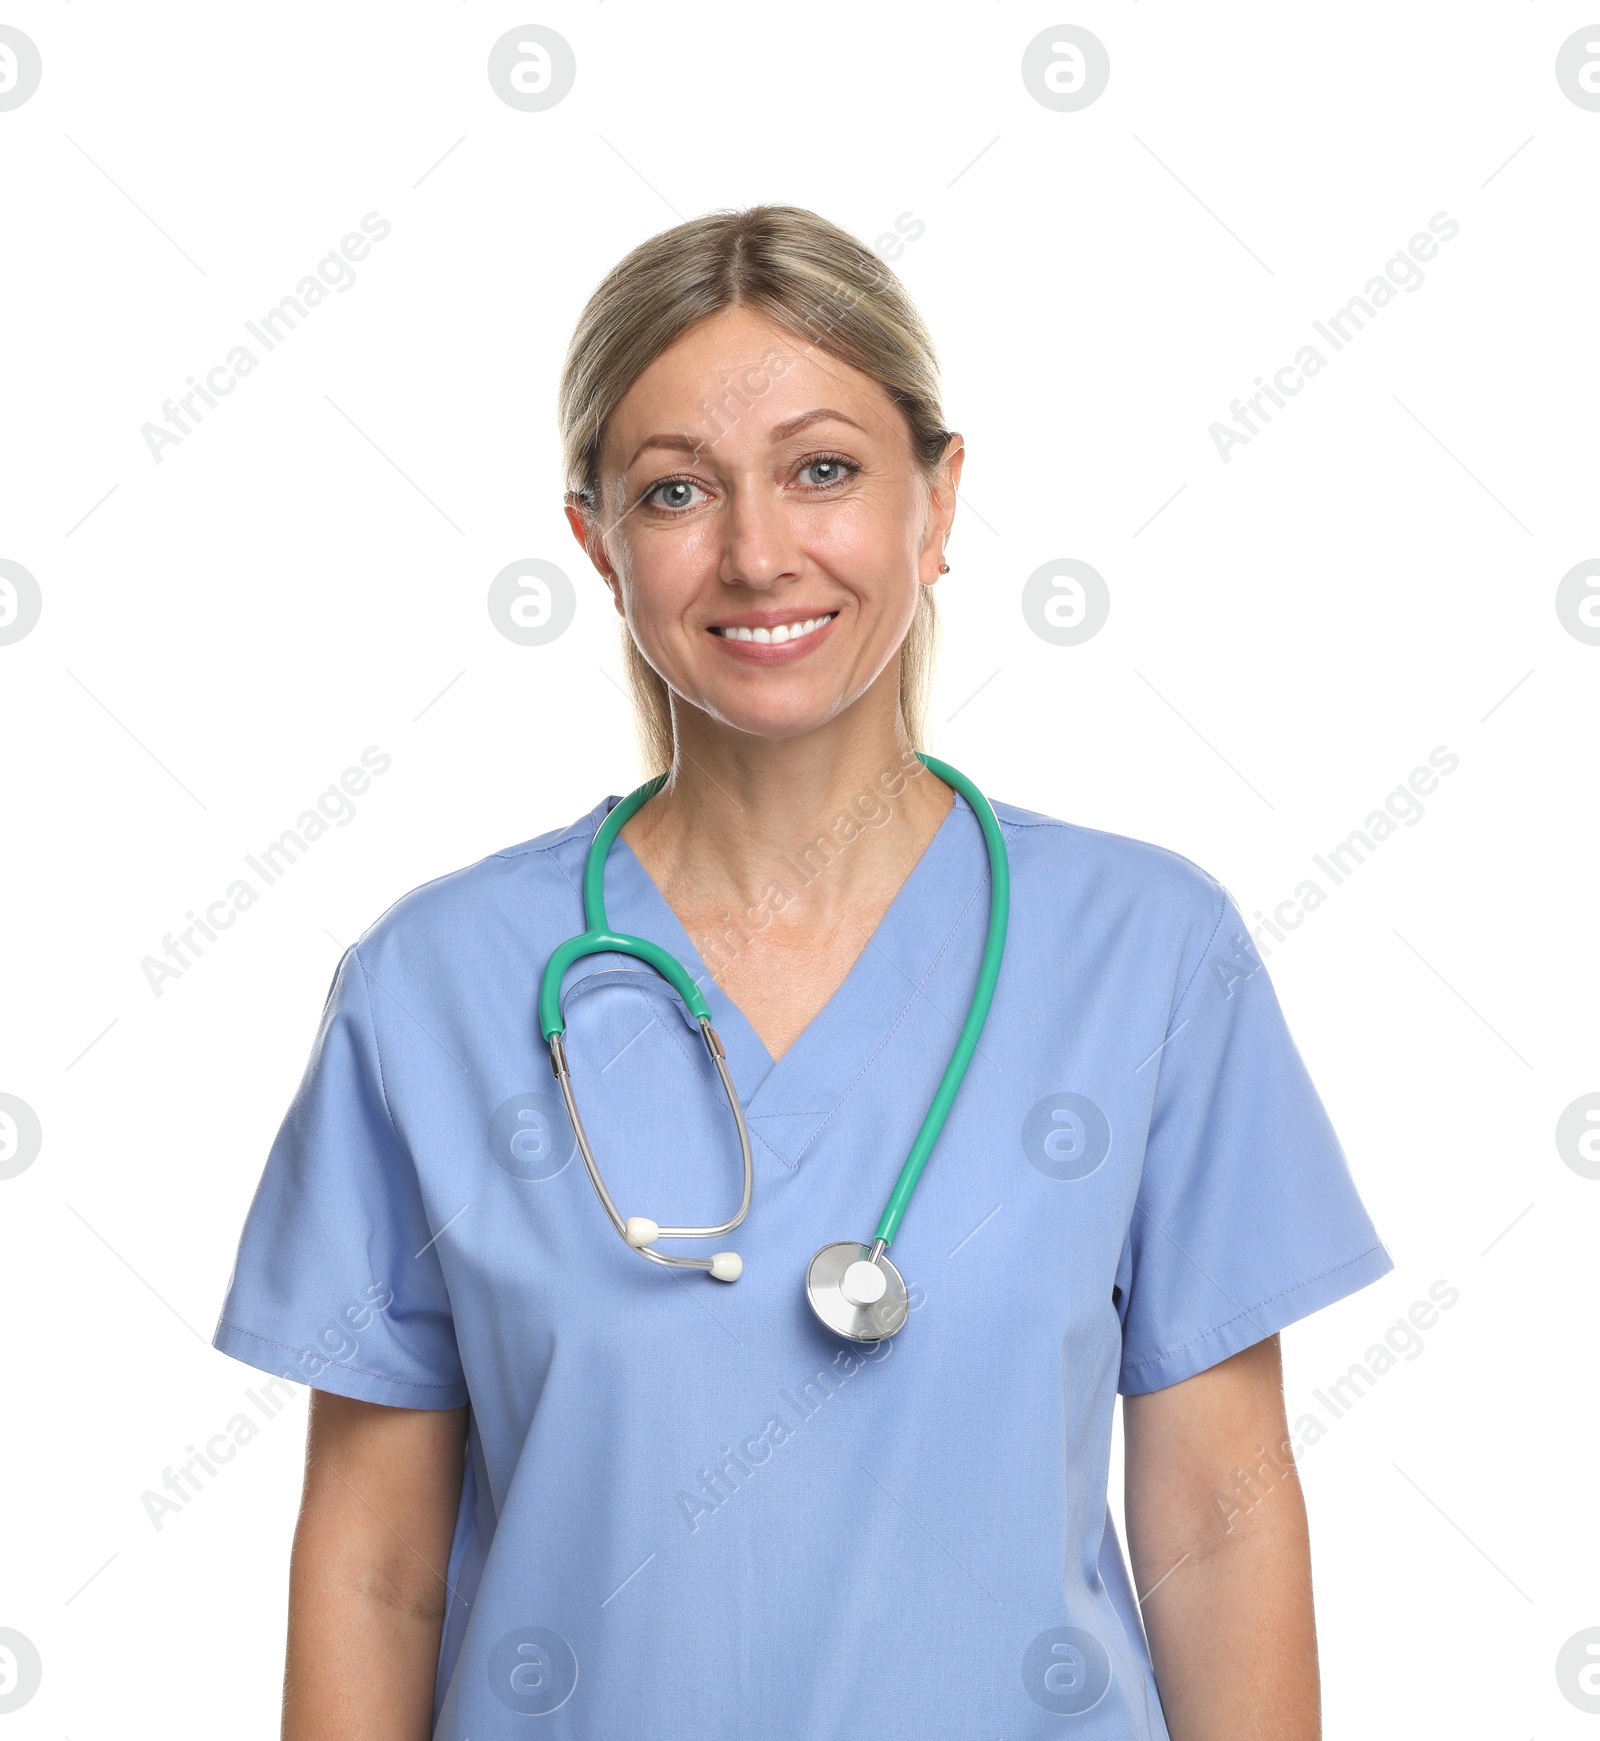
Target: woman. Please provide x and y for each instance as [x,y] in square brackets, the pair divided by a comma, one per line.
[549,1480]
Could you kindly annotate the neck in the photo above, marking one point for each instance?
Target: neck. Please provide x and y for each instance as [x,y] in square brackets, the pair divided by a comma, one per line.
[820,818]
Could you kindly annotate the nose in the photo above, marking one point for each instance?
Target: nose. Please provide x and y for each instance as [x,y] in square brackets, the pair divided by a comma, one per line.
[758,547]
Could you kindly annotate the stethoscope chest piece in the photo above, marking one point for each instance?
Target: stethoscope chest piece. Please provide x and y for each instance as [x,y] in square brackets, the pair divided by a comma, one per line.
[855,1295]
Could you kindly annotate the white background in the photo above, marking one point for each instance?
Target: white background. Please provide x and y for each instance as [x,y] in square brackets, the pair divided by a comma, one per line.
[1291,632]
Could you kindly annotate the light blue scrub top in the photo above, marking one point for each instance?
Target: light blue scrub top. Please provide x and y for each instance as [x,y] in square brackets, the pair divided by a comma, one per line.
[689,1509]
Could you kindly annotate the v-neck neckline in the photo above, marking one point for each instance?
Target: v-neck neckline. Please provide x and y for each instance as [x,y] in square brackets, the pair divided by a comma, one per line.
[788,1099]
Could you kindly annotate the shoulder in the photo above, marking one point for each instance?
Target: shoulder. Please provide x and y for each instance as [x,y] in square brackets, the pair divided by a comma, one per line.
[528,888]
[1113,869]
[1136,918]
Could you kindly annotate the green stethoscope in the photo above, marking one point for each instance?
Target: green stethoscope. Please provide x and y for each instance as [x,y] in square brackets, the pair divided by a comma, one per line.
[853,1288]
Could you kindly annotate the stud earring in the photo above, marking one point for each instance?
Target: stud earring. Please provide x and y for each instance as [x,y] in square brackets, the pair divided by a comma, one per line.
[944,567]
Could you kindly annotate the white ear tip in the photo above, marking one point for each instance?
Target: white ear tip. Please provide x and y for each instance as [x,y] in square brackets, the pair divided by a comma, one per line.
[641,1231]
[727,1266]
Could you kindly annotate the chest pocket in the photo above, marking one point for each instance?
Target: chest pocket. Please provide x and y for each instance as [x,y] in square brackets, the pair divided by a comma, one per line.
[651,1101]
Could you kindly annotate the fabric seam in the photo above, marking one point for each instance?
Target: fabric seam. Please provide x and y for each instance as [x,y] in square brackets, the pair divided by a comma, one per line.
[1228,1323]
[342,1366]
[377,1044]
[1188,983]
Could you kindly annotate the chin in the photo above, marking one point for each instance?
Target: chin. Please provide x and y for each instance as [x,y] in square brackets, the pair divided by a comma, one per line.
[776,723]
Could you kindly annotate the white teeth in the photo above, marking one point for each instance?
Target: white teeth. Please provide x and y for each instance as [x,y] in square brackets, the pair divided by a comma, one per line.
[783,632]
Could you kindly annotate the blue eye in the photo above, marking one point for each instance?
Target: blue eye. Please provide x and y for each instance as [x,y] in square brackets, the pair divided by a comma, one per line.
[839,467]
[677,496]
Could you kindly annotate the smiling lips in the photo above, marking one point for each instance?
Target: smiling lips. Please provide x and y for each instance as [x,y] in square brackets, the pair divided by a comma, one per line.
[773,643]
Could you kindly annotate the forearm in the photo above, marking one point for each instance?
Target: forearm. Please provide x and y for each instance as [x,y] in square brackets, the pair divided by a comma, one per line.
[1220,1553]
[367,1587]
[363,1646]
[1226,1601]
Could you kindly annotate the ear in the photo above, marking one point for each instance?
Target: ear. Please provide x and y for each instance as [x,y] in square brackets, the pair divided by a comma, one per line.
[949,479]
[941,508]
[587,531]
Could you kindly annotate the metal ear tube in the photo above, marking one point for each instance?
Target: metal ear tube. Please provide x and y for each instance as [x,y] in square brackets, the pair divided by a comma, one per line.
[639,1231]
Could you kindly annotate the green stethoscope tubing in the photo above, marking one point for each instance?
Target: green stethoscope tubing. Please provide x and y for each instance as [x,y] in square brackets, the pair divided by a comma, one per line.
[994,949]
[599,938]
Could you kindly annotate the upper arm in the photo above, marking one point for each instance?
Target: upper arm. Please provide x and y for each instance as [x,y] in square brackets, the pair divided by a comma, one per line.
[1187,1446]
[381,1490]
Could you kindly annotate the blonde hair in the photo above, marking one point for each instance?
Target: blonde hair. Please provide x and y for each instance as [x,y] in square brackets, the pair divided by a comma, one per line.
[809,277]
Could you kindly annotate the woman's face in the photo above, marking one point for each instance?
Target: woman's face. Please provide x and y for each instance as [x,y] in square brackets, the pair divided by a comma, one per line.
[764,526]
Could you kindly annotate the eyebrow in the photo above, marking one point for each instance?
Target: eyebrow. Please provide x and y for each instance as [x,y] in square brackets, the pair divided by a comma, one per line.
[823,415]
[681,443]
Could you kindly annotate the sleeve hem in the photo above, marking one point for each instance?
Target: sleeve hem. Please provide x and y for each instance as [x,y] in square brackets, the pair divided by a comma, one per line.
[284,1361]
[1157,1371]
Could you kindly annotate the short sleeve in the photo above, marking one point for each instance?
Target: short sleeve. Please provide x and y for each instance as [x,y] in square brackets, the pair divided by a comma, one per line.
[337,1283]
[1246,1216]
